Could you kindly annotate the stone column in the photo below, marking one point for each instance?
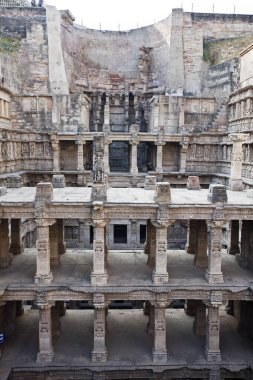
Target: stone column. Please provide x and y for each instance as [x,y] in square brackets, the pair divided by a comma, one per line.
[56,155]
[151,320]
[159,156]
[160,346]
[107,156]
[56,323]
[80,165]
[99,274]
[235,182]
[54,245]
[45,354]
[151,239]
[99,353]
[160,273]
[183,157]
[16,246]
[213,333]
[107,111]
[44,275]
[234,238]
[201,259]
[5,257]
[199,325]
[19,308]
[192,237]
[134,166]
[214,274]
[61,242]
[245,259]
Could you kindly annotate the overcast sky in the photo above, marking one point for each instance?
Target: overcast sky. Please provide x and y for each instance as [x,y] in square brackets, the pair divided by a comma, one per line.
[130,13]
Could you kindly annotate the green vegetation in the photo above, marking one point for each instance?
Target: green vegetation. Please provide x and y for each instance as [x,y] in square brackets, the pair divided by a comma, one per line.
[9,45]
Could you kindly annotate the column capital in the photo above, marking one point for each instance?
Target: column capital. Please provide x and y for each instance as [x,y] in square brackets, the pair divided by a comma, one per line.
[160,143]
[238,137]
[162,223]
[80,141]
[45,305]
[45,222]
[99,301]
[134,142]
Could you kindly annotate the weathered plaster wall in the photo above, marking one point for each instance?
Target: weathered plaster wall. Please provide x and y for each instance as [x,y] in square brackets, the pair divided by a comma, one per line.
[246,72]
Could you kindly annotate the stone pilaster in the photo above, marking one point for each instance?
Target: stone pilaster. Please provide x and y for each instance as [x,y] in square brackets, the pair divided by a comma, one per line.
[56,323]
[160,273]
[44,275]
[134,166]
[235,182]
[5,257]
[16,246]
[183,157]
[56,154]
[199,325]
[201,259]
[54,245]
[99,274]
[159,156]
[160,346]
[45,354]
[214,274]
[80,143]
[234,238]
[99,353]
[107,155]
[151,320]
[213,332]
[60,232]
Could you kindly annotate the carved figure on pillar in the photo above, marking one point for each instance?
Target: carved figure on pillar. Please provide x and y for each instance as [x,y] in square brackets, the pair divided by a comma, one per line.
[99,353]
[214,274]
[160,345]
[213,328]
[46,353]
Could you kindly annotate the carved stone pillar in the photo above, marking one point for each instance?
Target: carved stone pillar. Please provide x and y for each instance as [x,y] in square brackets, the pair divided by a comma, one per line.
[99,353]
[107,156]
[54,245]
[99,274]
[183,157]
[234,238]
[134,166]
[213,332]
[56,155]
[214,274]
[151,320]
[151,238]
[160,346]
[80,165]
[44,275]
[235,182]
[245,259]
[16,246]
[192,237]
[201,259]
[19,308]
[160,273]
[5,257]
[107,111]
[45,354]
[61,241]
[199,325]
[159,156]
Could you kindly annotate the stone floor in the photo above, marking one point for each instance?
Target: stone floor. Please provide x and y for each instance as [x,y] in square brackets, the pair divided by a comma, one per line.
[76,266]
[126,328]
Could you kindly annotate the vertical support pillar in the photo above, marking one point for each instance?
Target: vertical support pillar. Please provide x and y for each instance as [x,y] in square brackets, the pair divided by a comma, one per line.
[201,259]
[192,237]
[134,166]
[235,182]
[151,320]
[214,274]
[244,257]
[44,275]
[159,156]
[80,165]
[160,347]
[61,241]
[56,323]
[99,353]
[199,325]
[45,354]
[234,238]
[106,156]
[213,333]
[16,246]
[5,257]
[160,273]
[183,157]
[99,274]
[56,154]
[54,245]
[151,247]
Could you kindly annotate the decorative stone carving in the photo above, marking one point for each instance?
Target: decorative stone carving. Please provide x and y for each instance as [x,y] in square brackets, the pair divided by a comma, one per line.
[150,182]
[163,194]
[59,181]
[217,194]
[14,181]
[193,183]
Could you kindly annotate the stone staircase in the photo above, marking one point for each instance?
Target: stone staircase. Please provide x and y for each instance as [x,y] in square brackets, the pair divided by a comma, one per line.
[218,121]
